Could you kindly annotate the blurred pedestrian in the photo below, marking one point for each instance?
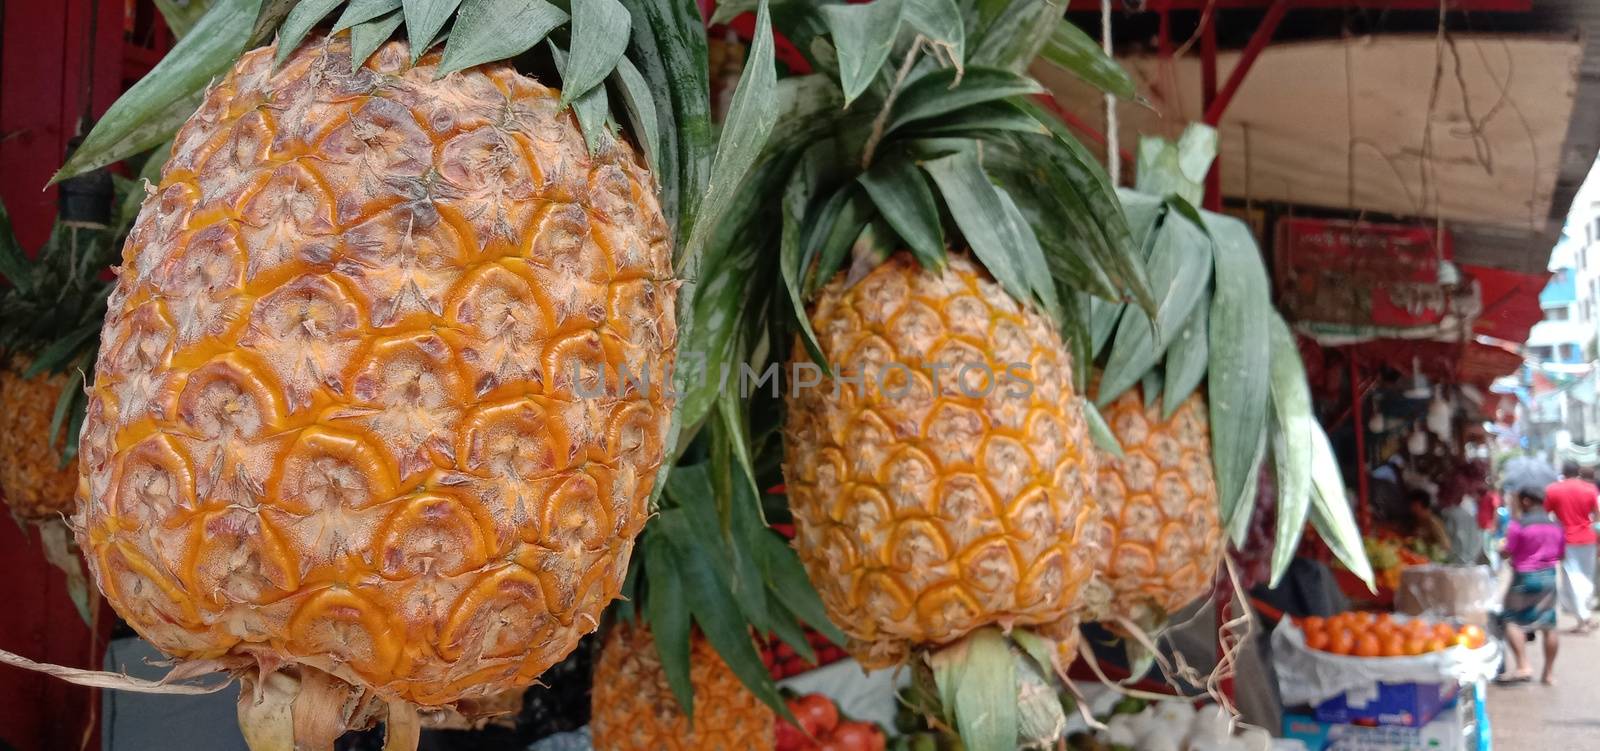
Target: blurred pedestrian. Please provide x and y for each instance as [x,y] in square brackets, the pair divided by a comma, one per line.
[1574,503]
[1534,545]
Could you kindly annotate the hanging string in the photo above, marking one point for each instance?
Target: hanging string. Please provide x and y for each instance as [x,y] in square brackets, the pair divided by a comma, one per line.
[1113,147]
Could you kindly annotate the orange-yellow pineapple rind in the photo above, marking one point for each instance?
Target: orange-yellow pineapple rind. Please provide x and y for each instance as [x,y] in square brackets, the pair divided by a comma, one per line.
[337,421]
[1160,534]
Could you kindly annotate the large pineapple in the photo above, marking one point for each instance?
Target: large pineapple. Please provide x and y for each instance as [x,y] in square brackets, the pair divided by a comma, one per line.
[938,499]
[634,708]
[338,421]
[383,392]
[1160,534]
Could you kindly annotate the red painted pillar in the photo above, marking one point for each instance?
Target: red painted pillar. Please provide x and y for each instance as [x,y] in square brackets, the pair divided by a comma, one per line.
[47,59]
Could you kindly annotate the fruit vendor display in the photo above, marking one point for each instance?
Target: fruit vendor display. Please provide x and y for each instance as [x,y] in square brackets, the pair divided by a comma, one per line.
[1364,634]
[357,433]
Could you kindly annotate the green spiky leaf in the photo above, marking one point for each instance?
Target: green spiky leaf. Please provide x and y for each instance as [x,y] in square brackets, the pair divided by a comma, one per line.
[599,36]
[853,213]
[593,108]
[1010,35]
[361,11]
[268,19]
[1078,53]
[901,193]
[1330,508]
[367,36]
[941,23]
[1179,269]
[1186,360]
[13,262]
[301,18]
[979,121]
[750,119]
[668,612]
[424,20]
[1239,361]
[1099,431]
[1292,425]
[714,611]
[945,90]
[863,36]
[640,101]
[790,586]
[151,111]
[181,18]
[984,220]
[489,30]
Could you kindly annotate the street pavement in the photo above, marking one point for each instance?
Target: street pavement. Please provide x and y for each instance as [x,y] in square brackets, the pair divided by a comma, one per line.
[1534,717]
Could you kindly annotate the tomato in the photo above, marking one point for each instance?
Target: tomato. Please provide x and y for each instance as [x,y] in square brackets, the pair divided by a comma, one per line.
[817,714]
[1317,640]
[857,736]
[1368,645]
[790,738]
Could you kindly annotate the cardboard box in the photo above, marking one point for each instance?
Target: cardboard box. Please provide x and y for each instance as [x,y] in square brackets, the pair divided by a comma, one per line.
[1455,729]
[1404,704]
[1465,593]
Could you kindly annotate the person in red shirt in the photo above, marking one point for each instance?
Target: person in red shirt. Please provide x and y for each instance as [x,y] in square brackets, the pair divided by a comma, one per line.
[1575,502]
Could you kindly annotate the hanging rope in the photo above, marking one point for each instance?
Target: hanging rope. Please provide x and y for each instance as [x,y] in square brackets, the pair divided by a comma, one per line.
[1113,147]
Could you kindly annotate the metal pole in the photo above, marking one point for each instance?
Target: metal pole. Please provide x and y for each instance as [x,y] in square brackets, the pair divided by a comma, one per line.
[1113,163]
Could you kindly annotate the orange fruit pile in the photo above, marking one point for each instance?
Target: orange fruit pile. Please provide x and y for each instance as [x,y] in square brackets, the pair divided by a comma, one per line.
[1365,634]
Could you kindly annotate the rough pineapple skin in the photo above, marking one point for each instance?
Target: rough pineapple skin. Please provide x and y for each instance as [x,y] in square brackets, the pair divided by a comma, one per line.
[633,708]
[35,485]
[335,420]
[923,513]
[1160,533]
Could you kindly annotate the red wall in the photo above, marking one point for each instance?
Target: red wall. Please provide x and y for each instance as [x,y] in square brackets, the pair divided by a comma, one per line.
[44,50]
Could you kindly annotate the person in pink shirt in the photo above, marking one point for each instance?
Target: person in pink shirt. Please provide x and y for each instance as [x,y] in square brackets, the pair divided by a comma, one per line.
[1573,501]
[1534,546]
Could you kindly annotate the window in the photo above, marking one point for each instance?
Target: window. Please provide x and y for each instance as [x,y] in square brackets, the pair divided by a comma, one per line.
[1541,352]
[1556,314]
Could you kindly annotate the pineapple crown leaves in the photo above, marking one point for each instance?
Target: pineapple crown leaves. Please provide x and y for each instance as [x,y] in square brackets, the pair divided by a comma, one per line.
[1215,323]
[917,129]
[719,568]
